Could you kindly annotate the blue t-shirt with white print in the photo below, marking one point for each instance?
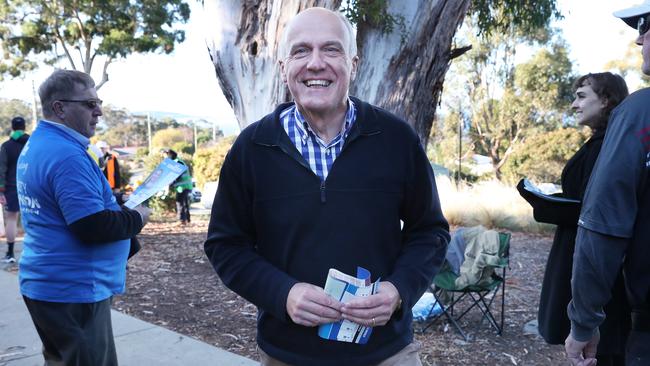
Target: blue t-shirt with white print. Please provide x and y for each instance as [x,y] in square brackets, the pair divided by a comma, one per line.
[58,184]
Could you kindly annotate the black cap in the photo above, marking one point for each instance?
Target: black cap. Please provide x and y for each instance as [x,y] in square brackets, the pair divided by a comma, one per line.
[18,123]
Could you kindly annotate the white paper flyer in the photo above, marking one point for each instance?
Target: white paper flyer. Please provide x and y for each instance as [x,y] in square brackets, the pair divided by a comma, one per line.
[344,288]
[165,173]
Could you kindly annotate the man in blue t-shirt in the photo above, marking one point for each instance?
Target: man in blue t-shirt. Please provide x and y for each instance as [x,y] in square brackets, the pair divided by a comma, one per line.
[77,238]
[613,227]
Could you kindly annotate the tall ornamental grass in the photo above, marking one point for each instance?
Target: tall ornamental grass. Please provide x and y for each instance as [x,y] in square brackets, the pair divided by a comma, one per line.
[489,203]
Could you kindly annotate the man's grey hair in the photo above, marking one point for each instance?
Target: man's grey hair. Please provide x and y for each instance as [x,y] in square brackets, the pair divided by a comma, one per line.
[61,85]
[283,49]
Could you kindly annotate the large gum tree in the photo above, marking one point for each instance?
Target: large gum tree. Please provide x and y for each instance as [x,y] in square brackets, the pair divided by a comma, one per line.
[405,49]
[82,32]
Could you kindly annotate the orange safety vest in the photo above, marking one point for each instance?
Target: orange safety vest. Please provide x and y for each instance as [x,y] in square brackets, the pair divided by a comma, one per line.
[109,166]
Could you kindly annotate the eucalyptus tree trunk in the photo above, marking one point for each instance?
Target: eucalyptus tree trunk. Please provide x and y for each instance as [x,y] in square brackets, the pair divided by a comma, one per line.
[244,51]
[402,72]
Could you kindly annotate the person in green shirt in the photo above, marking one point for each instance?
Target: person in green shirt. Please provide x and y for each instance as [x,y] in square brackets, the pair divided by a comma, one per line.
[183,187]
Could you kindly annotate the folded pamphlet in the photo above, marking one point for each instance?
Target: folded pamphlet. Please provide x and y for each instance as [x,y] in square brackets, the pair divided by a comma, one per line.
[344,288]
[165,173]
[530,187]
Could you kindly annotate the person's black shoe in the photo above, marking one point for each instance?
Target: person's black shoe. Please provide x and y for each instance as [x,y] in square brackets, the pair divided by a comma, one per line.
[9,258]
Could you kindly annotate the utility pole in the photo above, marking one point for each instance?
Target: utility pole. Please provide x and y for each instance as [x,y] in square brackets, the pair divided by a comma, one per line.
[34,115]
[196,139]
[149,132]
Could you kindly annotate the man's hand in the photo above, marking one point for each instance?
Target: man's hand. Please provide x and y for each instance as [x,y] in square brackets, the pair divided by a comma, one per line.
[310,306]
[144,212]
[582,353]
[3,200]
[375,309]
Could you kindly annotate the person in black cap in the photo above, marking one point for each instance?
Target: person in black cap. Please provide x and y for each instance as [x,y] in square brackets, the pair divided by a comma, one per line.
[8,195]
[614,228]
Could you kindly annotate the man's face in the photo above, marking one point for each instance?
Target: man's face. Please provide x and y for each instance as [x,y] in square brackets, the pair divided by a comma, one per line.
[81,110]
[643,40]
[318,68]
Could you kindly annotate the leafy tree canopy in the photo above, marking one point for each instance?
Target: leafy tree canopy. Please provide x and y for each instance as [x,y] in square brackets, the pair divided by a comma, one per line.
[525,17]
[10,108]
[81,30]
[544,155]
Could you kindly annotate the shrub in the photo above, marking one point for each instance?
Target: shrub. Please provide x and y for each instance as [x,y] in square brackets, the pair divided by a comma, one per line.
[168,137]
[543,156]
[208,161]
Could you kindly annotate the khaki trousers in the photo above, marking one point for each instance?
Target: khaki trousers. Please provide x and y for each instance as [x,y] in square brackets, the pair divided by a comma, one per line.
[408,356]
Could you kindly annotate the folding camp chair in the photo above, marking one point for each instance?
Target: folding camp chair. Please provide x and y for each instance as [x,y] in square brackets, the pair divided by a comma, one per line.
[478,296]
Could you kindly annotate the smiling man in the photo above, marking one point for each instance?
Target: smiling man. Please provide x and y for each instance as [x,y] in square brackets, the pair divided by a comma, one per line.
[613,227]
[76,236]
[327,182]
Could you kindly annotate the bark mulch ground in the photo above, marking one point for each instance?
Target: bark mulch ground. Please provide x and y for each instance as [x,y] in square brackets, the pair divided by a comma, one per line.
[172,284]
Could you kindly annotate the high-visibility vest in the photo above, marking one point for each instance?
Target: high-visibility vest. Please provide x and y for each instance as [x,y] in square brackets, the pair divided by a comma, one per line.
[109,169]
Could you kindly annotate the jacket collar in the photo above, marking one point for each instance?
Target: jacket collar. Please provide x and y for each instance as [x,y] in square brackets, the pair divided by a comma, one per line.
[269,131]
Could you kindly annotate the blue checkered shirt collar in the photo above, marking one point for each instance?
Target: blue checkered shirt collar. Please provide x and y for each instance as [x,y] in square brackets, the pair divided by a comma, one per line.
[319,155]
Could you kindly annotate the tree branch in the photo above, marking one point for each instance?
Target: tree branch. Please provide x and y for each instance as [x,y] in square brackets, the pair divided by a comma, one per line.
[87,42]
[58,35]
[459,51]
[104,72]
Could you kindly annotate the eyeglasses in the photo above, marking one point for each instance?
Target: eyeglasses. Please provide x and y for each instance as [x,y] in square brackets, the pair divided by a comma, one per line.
[90,103]
[643,24]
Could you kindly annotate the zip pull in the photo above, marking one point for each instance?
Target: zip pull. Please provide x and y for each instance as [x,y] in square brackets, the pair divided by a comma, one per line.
[323,198]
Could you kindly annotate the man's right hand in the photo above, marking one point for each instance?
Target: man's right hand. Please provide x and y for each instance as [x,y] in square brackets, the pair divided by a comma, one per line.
[144,212]
[3,200]
[310,306]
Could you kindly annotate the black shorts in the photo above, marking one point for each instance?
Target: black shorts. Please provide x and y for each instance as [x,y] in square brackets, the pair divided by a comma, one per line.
[11,195]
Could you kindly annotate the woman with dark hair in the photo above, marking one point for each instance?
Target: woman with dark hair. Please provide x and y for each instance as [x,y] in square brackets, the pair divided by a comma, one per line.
[596,95]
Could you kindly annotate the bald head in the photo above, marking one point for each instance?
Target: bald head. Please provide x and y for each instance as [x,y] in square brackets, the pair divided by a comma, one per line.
[315,16]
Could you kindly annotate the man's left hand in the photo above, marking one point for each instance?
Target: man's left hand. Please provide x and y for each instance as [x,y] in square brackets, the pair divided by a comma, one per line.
[375,309]
[582,353]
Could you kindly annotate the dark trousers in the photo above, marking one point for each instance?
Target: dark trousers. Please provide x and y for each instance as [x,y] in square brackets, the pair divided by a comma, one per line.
[183,205]
[74,333]
[638,348]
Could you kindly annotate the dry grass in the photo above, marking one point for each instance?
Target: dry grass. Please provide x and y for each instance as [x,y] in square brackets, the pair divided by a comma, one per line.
[491,204]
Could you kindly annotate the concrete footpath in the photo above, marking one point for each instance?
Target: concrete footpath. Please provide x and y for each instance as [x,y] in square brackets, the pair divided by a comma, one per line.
[138,343]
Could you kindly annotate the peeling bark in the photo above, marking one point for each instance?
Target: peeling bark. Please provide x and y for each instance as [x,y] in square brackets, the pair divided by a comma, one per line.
[244,52]
[405,78]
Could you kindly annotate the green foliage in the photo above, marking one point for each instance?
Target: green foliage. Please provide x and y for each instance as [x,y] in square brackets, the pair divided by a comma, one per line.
[183,147]
[544,155]
[86,28]
[208,161]
[630,64]
[125,173]
[518,16]
[374,13]
[169,137]
[503,102]
[10,108]
[546,80]
[121,128]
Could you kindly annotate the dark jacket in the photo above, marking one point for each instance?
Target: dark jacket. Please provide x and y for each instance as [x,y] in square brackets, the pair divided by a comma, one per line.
[274,223]
[9,153]
[553,320]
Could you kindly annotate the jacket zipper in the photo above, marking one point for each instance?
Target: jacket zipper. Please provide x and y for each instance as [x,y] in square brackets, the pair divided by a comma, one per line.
[323,197]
